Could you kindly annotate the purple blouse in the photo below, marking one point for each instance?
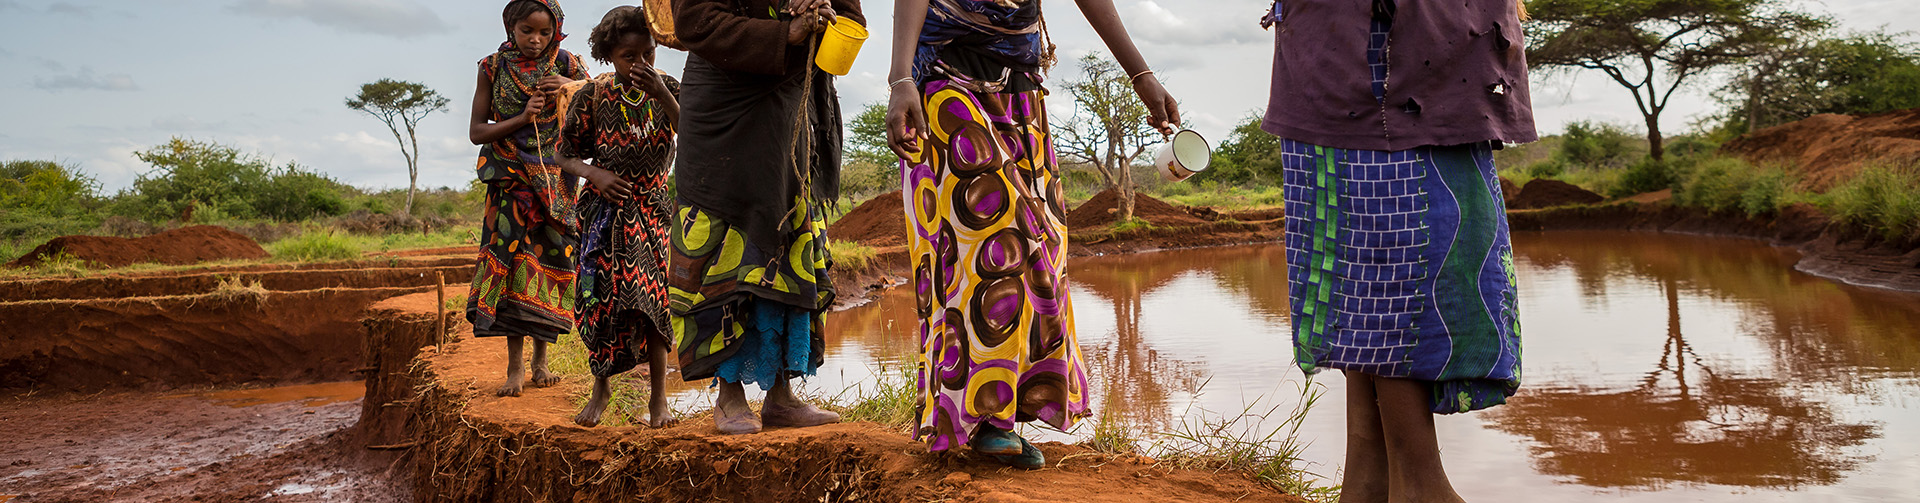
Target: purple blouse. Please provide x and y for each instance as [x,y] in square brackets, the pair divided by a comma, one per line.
[1456,73]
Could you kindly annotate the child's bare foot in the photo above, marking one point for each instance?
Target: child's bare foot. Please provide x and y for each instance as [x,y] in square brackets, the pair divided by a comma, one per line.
[731,414]
[658,414]
[516,375]
[589,416]
[541,377]
[784,409]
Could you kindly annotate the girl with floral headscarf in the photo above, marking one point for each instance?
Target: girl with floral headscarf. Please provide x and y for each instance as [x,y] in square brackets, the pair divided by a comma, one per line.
[524,285]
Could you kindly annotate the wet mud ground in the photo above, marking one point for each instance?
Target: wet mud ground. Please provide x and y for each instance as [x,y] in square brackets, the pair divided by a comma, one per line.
[281,444]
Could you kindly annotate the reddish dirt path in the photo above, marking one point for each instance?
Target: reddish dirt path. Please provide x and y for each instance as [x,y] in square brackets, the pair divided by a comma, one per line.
[287,444]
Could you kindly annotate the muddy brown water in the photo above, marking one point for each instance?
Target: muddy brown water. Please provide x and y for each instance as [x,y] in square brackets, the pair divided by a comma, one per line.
[1657,368]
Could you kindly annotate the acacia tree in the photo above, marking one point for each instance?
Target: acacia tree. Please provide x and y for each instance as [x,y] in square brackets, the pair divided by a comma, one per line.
[1108,130]
[400,104]
[1638,42]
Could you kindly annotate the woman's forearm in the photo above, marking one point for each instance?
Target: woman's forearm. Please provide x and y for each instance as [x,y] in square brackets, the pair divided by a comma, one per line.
[1106,21]
[909,16]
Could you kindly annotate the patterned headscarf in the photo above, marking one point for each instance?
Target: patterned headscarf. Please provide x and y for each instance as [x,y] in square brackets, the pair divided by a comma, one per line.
[553,47]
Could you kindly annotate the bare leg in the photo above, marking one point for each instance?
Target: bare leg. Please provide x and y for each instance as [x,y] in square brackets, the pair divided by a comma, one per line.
[785,409]
[658,415]
[1365,477]
[541,377]
[516,375]
[1414,472]
[596,405]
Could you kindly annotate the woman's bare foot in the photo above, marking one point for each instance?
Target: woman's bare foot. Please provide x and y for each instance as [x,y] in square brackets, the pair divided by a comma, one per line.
[516,375]
[782,408]
[541,377]
[589,415]
[731,414]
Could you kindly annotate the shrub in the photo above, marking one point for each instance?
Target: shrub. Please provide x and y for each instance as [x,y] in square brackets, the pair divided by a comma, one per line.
[1880,198]
[1595,145]
[233,185]
[46,188]
[1648,175]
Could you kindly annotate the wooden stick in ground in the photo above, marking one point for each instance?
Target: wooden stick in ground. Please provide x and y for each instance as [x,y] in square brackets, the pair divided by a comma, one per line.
[440,311]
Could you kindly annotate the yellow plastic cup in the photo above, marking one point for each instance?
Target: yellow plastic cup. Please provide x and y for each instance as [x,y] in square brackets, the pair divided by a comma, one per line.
[840,45]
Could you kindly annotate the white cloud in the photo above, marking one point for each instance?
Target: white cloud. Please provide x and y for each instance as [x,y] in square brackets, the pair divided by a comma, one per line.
[86,80]
[393,18]
[1213,24]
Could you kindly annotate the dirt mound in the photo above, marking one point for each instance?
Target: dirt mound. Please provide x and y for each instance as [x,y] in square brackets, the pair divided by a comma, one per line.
[1101,211]
[881,221]
[1829,148]
[1548,193]
[185,245]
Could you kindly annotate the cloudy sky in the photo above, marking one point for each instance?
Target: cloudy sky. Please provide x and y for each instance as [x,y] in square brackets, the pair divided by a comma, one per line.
[91,82]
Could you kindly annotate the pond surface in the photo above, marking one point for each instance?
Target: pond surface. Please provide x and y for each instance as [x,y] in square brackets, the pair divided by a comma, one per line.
[1657,368]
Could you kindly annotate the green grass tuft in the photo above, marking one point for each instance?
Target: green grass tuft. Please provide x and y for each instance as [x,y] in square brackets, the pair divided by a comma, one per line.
[1881,198]
[849,255]
[1235,443]
[316,244]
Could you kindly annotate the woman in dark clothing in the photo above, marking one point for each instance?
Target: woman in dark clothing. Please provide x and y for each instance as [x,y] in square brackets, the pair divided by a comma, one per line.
[759,153]
[1398,257]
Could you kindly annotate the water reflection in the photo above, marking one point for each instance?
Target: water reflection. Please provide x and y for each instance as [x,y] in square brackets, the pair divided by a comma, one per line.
[1670,368]
[1684,422]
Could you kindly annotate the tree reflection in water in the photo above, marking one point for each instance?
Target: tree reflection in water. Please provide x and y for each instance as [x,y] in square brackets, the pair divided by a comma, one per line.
[1688,423]
[1133,382]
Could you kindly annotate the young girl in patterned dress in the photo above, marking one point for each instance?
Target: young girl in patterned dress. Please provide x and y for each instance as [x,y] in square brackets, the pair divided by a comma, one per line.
[523,286]
[624,121]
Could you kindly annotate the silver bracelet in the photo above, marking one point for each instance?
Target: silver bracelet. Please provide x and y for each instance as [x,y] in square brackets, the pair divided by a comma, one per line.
[903,80]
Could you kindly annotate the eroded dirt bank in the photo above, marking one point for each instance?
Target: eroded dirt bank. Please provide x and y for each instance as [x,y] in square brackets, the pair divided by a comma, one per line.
[1828,249]
[474,446]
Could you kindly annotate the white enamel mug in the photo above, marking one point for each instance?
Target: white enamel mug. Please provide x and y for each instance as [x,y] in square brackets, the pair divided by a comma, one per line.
[1187,153]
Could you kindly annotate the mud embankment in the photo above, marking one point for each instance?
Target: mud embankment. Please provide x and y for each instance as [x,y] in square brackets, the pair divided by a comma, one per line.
[1828,249]
[469,445]
[274,325]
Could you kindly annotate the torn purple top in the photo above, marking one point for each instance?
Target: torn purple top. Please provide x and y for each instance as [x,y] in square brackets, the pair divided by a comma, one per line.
[1456,73]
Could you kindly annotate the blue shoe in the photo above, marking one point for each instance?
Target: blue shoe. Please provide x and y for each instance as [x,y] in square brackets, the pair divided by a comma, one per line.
[1029,458]
[996,442]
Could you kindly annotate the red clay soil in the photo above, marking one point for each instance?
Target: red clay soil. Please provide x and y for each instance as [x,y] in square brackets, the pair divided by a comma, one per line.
[1829,148]
[881,221]
[185,245]
[217,339]
[292,444]
[1102,211]
[1548,193]
[479,447]
[119,286]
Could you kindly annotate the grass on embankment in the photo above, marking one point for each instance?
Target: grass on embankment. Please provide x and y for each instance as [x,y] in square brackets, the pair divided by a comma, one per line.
[1883,199]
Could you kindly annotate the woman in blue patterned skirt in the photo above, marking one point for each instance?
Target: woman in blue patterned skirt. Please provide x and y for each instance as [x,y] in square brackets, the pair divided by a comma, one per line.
[1397,249]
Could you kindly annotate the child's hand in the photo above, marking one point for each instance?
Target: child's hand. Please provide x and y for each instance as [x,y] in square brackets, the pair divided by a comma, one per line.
[535,104]
[648,80]
[552,83]
[610,185]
